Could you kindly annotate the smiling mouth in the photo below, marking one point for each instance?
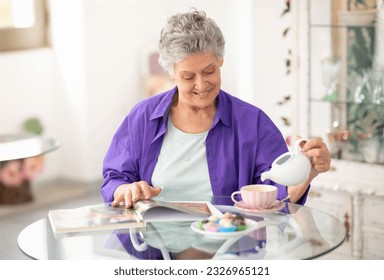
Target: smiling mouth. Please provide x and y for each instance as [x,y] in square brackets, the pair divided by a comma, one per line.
[205,93]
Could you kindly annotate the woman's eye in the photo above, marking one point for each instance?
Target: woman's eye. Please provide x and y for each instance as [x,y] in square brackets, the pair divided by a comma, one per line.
[209,71]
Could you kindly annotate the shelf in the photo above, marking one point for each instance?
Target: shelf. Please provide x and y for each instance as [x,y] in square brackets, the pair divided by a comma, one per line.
[345,102]
[320,25]
[346,18]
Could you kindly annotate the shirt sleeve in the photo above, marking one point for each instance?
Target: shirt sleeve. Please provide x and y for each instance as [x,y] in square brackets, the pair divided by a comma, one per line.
[271,144]
[119,165]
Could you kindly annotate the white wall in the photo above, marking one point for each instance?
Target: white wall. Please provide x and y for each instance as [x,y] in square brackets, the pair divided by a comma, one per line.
[83,87]
[270,51]
[29,88]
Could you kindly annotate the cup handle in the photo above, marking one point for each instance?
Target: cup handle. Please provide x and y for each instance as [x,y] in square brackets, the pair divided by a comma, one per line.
[233,196]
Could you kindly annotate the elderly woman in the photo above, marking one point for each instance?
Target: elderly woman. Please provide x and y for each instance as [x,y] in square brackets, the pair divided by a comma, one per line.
[196,139]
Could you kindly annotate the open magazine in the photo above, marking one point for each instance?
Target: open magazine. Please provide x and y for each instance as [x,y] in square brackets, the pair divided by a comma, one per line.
[105,217]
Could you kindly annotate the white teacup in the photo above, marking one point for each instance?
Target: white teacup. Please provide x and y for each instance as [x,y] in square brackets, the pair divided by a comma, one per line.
[256,196]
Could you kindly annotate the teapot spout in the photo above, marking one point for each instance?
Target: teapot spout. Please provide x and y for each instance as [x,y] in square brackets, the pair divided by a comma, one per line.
[266,175]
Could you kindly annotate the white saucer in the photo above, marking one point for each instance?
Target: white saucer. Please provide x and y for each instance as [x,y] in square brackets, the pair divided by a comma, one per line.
[240,206]
[251,225]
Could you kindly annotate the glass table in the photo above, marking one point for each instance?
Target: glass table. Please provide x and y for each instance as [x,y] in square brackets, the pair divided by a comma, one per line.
[23,146]
[15,182]
[290,232]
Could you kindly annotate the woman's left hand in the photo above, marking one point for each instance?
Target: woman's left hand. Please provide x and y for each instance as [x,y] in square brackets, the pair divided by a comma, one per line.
[317,152]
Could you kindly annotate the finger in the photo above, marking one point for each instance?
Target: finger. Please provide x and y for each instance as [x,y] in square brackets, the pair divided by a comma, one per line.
[128,198]
[316,158]
[320,164]
[155,191]
[120,195]
[117,200]
[144,190]
[313,143]
[135,192]
[319,155]
[315,153]
[323,168]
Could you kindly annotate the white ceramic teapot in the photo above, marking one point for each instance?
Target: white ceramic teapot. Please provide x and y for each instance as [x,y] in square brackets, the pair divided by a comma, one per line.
[289,169]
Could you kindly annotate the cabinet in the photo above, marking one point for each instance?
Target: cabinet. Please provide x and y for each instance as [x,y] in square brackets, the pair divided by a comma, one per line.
[354,193]
[373,228]
[339,61]
[338,204]
[346,79]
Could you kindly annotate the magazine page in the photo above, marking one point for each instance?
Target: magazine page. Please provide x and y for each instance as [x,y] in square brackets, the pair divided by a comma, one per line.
[93,217]
[156,210]
[105,217]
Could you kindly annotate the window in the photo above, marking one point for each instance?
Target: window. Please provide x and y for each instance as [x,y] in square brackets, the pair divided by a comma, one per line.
[23,24]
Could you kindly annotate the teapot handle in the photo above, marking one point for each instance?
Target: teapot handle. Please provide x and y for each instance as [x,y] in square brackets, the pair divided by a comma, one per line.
[296,147]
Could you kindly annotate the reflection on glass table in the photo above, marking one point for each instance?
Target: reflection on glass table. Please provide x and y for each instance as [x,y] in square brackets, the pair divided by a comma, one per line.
[293,232]
[23,146]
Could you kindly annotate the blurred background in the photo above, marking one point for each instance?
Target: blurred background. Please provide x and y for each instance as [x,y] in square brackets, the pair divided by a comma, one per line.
[71,70]
[94,61]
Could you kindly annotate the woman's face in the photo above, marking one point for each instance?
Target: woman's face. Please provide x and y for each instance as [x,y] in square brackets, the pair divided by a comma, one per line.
[198,79]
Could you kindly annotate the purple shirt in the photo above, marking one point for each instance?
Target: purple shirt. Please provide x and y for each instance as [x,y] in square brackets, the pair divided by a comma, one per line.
[242,144]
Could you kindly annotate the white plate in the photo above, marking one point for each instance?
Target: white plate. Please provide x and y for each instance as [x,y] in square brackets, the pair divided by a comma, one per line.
[240,206]
[251,225]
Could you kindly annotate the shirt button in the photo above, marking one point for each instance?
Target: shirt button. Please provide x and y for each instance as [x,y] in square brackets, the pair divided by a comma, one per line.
[210,154]
[214,178]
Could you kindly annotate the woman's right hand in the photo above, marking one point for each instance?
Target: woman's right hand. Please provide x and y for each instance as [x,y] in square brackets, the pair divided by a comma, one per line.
[128,193]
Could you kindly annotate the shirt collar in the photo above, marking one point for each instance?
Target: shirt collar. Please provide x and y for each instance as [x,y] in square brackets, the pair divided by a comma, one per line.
[223,112]
[224,109]
[162,109]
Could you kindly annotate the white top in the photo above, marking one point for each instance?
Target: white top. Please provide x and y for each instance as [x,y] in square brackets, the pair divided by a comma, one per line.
[182,166]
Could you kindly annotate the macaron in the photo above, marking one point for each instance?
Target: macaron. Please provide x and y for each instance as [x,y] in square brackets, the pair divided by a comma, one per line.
[230,228]
[229,222]
[211,226]
[202,223]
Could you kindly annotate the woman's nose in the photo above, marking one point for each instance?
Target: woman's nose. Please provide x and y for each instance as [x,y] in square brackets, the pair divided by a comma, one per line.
[200,83]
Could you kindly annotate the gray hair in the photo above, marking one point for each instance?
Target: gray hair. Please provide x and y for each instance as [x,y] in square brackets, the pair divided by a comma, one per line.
[186,34]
